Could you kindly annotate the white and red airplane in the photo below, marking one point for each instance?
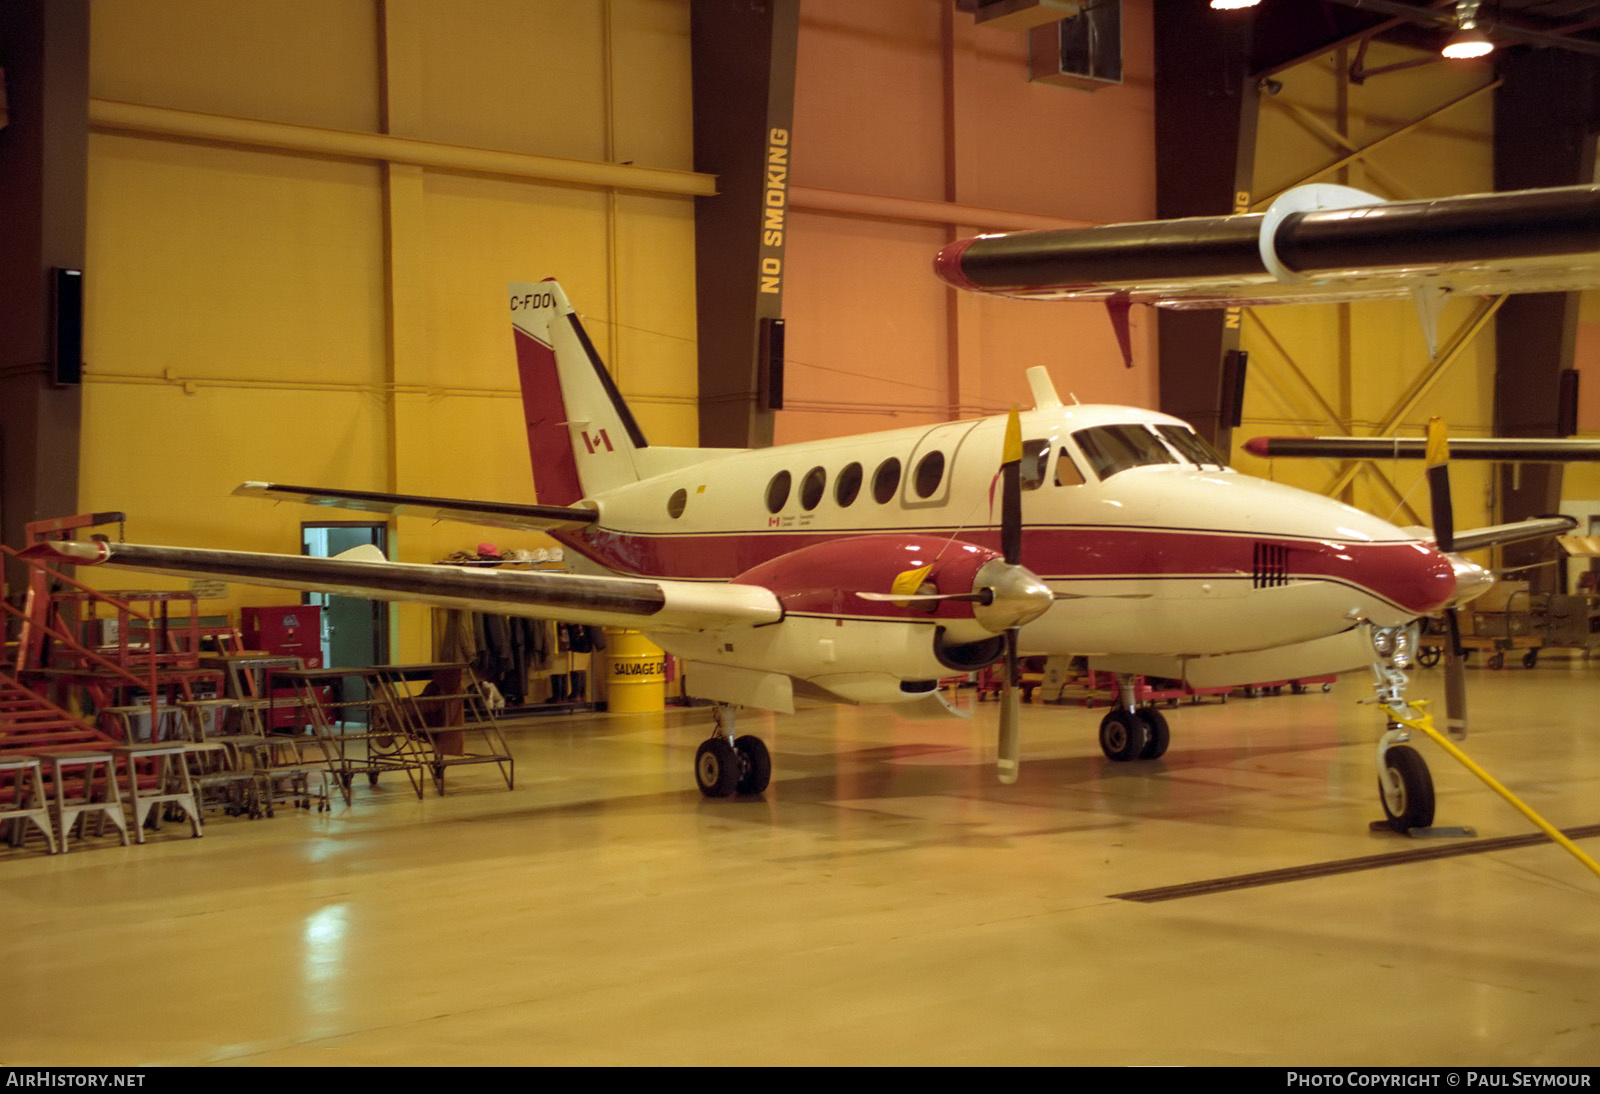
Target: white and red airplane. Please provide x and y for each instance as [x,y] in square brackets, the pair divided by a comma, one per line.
[864,569]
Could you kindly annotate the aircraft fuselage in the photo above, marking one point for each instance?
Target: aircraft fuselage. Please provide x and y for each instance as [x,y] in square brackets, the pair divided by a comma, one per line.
[1171,553]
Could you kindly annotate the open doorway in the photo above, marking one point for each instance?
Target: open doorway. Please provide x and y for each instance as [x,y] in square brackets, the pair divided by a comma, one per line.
[355,632]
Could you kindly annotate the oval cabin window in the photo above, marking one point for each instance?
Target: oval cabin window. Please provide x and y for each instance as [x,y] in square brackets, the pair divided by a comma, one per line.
[886,480]
[778,491]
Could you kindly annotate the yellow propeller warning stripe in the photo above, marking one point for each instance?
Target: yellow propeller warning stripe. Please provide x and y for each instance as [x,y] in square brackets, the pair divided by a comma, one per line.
[1438,443]
[907,583]
[1012,452]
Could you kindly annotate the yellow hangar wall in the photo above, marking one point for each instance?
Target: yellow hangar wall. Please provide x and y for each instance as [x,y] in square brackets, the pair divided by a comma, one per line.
[1364,368]
[256,311]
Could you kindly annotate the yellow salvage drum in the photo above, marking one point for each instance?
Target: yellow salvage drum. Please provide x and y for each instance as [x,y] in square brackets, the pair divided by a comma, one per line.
[637,679]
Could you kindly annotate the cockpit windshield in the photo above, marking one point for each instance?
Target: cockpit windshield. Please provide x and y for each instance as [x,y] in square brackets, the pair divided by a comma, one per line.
[1113,448]
[1191,446]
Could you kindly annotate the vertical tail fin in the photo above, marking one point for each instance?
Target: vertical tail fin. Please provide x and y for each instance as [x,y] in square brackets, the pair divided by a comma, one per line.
[581,437]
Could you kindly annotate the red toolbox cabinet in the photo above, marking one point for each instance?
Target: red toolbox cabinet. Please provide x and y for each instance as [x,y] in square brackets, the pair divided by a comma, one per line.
[293,630]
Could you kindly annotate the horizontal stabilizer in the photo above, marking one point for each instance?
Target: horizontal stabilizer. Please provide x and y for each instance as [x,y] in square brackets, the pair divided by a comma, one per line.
[492,513]
[1521,530]
[644,603]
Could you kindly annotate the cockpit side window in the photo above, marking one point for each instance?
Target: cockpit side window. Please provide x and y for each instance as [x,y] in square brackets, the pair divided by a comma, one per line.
[1067,473]
[1035,458]
[1114,448]
[1191,446]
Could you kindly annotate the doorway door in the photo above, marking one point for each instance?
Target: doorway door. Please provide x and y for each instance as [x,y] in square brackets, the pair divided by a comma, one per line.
[355,631]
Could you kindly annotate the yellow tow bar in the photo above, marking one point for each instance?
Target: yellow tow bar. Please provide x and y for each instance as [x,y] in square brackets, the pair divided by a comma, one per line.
[1423,723]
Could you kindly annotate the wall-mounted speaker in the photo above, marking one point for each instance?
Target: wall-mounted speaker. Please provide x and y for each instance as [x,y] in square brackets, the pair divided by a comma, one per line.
[770,356]
[66,326]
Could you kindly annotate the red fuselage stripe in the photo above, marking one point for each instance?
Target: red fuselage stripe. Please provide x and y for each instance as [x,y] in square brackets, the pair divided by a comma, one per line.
[1406,574]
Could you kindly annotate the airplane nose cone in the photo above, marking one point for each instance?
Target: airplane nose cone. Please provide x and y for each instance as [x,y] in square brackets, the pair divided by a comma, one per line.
[1428,584]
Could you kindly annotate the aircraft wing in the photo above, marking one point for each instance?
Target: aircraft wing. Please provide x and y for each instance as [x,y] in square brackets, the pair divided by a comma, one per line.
[644,603]
[1500,449]
[494,514]
[1534,528]
[1313,244]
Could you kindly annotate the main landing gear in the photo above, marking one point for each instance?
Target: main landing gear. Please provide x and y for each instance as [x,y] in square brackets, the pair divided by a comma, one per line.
[1129,732]
[727,764]
[1404,785]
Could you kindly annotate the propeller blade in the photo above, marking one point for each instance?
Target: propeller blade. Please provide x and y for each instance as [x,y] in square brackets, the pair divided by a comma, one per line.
[1011,491]
[1010,746]
[1455,678]
[981,596]
[1444,523]
[1010,714]
[1444,535]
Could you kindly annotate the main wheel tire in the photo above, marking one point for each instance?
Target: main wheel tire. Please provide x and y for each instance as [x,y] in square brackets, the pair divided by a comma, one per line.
[755,765]
[716,768]
[1159,735]
[1406,789]
[1123,736]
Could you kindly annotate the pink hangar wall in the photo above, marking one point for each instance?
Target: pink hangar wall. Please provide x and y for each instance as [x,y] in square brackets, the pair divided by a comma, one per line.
[908,99]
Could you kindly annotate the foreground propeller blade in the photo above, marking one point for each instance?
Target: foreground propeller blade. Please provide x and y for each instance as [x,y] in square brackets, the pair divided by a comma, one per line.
[1455,678]
[1444,535]
[1444,522]
[1011,491]
[1011,548]
[1010,714]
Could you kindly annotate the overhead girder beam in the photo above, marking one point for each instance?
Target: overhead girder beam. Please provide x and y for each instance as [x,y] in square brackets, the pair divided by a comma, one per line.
[1372,146]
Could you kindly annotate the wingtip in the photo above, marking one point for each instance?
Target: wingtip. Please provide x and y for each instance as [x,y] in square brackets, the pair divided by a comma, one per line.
[69,552]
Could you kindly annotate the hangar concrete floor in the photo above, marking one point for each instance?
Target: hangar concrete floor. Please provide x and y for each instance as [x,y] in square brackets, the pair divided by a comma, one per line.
[886,902]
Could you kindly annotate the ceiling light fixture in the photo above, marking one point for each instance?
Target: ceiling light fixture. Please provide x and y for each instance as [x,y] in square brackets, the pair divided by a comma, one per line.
[1230,5]
[1468,40]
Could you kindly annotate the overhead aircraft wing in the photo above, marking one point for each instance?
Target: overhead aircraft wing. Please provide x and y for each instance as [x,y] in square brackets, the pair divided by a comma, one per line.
[492,513]
[1499,449]
[607,601]
[1314,244]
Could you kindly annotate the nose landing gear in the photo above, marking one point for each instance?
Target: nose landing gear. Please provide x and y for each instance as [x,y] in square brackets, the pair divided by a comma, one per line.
[1405,786]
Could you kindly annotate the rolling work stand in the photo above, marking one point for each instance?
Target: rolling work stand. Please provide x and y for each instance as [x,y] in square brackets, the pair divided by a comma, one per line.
[354,739]
[399,726]
[448,715]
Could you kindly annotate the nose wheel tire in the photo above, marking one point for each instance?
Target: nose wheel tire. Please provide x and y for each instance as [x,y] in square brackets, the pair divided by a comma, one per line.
[717,768]
[1160,736]
[1406,789]
[1123,736]
[755,764]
